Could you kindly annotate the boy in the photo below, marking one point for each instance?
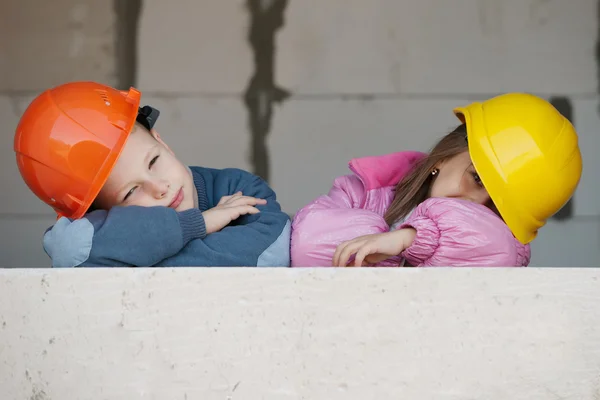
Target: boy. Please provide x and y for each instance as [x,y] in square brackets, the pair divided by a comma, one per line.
[124,199]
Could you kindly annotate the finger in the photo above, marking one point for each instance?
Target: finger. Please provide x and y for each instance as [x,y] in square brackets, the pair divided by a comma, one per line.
[348,252]
[252,210]
[238,211]
[246,200]
[233,197]
[360,255]
[254,199]
[223,200]
[256,202]
[336,254]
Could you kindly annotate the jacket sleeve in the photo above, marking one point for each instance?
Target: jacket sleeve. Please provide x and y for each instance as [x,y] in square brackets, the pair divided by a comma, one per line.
[123,236]
[261,239]
[460,233]
[331,219]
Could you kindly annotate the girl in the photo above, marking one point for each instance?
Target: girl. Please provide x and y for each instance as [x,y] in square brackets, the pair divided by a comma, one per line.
[478,199]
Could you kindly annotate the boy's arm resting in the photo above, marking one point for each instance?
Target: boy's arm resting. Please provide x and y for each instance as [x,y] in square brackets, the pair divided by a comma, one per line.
[160,236]
[331,219]
[261,239]
[459,233]
[122,236]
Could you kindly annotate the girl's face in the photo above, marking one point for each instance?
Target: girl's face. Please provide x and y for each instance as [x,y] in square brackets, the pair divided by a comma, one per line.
[457,178]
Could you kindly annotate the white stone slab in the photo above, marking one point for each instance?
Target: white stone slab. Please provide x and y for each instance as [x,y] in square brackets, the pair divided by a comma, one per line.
[300,334]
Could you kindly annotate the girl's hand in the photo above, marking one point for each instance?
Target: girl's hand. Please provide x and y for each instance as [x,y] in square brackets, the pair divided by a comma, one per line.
[371,249]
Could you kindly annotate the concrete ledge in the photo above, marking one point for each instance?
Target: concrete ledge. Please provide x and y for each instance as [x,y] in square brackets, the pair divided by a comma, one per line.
[300,334]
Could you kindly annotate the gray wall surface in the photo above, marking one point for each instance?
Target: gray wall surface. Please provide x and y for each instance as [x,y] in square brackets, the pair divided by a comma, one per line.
[292,90]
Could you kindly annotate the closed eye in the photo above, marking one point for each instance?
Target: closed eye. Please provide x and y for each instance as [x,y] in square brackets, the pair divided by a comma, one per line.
[477,179]
[152,162]
[129,193]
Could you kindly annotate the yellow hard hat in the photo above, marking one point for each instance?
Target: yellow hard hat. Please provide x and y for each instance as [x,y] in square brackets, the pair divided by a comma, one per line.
[527,156]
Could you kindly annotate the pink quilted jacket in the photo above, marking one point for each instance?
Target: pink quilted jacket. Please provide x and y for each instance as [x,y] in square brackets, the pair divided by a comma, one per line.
[450,232]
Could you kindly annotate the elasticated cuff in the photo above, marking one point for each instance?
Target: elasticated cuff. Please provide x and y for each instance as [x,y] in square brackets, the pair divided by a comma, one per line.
[192,225]
[426,241]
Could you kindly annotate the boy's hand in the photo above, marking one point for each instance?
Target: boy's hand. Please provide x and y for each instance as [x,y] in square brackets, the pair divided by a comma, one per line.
[229,209]
[371,249]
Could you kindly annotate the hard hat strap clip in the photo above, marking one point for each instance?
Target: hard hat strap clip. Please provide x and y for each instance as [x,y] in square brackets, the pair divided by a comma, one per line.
[147,116]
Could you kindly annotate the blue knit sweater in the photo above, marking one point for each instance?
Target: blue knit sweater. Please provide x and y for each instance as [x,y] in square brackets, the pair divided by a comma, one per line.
[161,236]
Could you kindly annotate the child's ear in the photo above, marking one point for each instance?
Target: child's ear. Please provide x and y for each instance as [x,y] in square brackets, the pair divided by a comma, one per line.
[156,136]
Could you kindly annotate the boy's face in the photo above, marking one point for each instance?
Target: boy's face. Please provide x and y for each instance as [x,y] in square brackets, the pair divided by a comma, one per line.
[148,174]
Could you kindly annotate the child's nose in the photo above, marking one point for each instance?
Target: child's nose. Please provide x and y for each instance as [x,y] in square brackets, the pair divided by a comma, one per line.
[158,188]
[479,198]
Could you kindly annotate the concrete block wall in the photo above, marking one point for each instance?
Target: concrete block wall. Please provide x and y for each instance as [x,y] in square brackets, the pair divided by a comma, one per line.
[312,84]
[194,66]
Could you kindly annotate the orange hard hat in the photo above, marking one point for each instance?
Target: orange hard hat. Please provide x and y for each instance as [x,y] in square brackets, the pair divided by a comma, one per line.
[69,139]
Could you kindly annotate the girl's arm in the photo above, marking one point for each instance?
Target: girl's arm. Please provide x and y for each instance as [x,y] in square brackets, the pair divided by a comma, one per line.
[452,232]
[331,219]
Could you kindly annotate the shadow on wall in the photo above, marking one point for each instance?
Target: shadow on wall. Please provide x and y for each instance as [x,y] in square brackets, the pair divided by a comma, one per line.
[262,93]
[127,19]
[564,105]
